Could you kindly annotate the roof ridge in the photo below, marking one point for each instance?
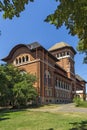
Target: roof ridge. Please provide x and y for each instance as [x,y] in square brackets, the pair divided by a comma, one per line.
[59,45]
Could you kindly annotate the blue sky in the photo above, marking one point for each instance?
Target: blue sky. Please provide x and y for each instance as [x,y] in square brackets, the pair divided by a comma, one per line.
[30,27]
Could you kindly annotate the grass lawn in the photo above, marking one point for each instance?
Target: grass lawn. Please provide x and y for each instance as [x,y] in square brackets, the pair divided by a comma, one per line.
[83,104]
[32,120]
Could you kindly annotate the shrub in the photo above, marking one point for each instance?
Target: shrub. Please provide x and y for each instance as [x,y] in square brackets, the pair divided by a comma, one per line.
[77,101]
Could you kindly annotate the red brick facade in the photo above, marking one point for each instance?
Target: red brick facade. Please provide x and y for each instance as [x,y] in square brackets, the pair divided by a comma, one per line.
[54,69]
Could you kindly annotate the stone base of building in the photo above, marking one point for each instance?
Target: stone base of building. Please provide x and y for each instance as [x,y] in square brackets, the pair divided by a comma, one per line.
[51,100]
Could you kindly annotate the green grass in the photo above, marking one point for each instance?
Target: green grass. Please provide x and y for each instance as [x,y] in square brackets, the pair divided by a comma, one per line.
[83,104]
[32,120]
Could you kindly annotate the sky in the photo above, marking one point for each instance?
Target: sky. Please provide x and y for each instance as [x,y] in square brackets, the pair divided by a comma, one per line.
[30,27]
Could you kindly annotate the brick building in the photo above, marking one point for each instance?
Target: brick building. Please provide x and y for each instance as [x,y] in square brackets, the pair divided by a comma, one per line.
[54,69]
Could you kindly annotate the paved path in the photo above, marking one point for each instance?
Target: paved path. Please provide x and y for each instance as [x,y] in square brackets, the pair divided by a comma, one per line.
[71,108]
[62,108]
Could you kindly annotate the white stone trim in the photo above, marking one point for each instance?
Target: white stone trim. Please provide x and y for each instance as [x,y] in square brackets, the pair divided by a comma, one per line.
[79,91]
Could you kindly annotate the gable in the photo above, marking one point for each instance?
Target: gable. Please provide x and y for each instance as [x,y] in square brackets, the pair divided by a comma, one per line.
[19,54]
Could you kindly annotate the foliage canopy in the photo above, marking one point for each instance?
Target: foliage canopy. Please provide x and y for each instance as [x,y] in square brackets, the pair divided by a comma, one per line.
[13,8]
[16,89]
[73,14]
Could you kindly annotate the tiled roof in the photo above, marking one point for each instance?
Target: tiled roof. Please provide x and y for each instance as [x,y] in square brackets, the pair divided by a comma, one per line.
[79,78]
[59,45]
[33,45]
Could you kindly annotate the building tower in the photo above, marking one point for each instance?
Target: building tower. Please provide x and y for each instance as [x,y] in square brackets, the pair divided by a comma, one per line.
[65,54]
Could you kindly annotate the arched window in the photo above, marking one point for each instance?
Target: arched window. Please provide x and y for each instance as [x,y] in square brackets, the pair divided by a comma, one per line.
[27,58]
[23,72]
[16,61]
[23,59]
[59,83]
[47,78]
[64,85]
[57,55]
[19,60]
[56,81]
[63,54]
[60,54]
[67,53]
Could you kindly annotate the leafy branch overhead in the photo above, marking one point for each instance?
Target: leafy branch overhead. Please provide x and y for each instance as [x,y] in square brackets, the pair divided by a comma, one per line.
[13,8]
[71,13]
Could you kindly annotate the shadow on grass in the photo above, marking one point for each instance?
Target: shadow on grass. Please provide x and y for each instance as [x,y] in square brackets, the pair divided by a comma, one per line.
[4,118]
[4,113]
[50,129]
[79,125]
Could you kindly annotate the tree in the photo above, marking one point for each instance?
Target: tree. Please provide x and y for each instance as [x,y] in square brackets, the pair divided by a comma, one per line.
[3,84]
[16,88]
[24,91]
[13,8]
[73,14]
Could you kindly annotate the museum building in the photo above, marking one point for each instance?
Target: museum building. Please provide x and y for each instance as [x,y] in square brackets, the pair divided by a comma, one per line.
[54,69]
